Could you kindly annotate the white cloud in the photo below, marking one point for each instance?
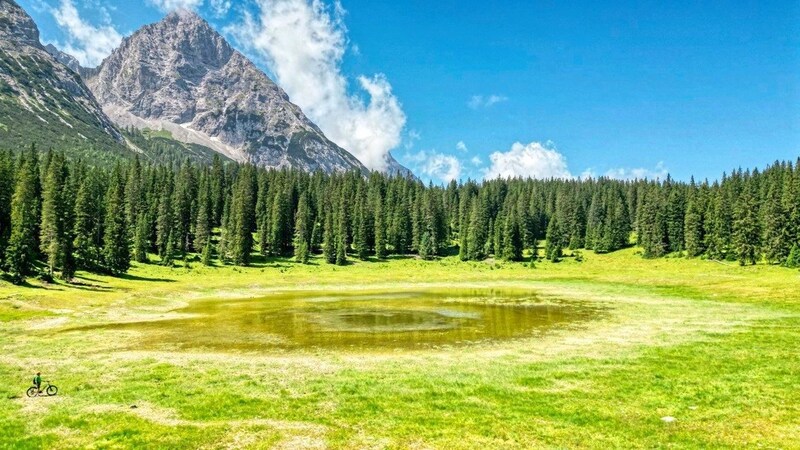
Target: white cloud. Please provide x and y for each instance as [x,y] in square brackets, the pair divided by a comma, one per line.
[411,138]
[476,161]
[461,146]
[660,172]
[443,167]
[220,7]
[303,43]
[533,160]
[171,5]
[86,42]
[481,101]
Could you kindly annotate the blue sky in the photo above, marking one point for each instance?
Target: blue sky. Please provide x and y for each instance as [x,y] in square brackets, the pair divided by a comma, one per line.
[527,87]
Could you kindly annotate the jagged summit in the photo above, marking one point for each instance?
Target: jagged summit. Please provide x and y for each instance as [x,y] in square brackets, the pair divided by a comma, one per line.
[38,93]
[180,75]
[16,25]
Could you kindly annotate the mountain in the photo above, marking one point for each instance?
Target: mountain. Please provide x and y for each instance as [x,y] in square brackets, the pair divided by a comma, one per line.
[182,77]
[41,100]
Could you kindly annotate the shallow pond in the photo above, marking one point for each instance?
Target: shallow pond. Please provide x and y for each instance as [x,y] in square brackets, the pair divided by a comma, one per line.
[358,320]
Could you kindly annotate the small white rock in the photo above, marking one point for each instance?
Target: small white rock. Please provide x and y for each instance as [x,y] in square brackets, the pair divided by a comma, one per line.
[668,419]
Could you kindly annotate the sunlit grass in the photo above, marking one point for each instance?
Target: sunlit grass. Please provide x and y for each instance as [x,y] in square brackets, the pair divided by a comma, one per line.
[712,345]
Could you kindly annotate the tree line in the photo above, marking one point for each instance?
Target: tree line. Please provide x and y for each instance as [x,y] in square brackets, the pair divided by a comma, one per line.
[59,215]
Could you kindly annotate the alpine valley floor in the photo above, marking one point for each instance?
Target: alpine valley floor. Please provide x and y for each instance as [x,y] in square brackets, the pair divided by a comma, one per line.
[710,347]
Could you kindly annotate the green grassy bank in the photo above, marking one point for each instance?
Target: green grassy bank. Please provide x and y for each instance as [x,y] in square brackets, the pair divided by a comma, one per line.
[711,345]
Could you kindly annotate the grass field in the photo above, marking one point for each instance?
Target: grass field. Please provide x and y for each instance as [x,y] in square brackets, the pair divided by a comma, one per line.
[713,346]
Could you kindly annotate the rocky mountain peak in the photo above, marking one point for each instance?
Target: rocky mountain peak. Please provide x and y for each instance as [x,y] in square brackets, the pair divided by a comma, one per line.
[16,25]
[181,76]
[35,88]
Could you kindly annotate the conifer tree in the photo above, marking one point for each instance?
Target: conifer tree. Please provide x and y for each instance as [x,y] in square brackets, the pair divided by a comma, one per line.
[89,217]
[56,226]
[675,219]
[512,242]
[341,232]
[242,216]
[280,228]
[6,192]
[773,226]
[205,257]
[22,253]
[116,251]
[164,220]
[218,190]
[329,242]
[380,231]
[134,197]
[302,233]
[476,235]
[141,240]
[577,232]
[169,252]
[183,195]
[263,216]
[745,227]
[204,224]
[793,261]
[652,225]
[426,246]
[223,248]
[693,227]
[595,223]
[554,245]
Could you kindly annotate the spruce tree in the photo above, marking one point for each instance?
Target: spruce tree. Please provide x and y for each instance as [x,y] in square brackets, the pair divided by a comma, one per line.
[652,224]
[134,197]
[554,245]
[329,242]
[242,216]
[6,192]
[675,219]
[141,239]
[89,216]
[773,226]
[204,224]
[477,233]
[512,241]
[116,253]
[693,227]
[302,233]
[263,216]
[745,227]
[205,257]
[22,253]
[56,226]
[426,246]
[793,261]
[280,227]
[169,252]
[380,231]
[360,231]
[341,232]
[164,219]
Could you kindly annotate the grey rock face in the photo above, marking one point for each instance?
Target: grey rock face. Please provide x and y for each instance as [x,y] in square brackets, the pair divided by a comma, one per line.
[182,76]
[42,86]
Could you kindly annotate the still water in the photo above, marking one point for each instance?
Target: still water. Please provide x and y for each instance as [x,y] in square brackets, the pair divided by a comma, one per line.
[358,320]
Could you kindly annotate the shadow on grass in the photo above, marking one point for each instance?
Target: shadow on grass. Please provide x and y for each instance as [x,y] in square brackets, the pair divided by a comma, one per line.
[90,287]
[127,276]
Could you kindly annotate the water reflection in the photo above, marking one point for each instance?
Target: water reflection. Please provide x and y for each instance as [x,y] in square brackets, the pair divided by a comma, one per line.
[359,321]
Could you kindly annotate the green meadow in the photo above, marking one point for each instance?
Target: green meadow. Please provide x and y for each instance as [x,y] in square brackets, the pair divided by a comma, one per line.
[679,354]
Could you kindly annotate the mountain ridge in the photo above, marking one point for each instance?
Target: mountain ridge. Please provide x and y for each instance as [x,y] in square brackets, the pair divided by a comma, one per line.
[35,88]
[182,76]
